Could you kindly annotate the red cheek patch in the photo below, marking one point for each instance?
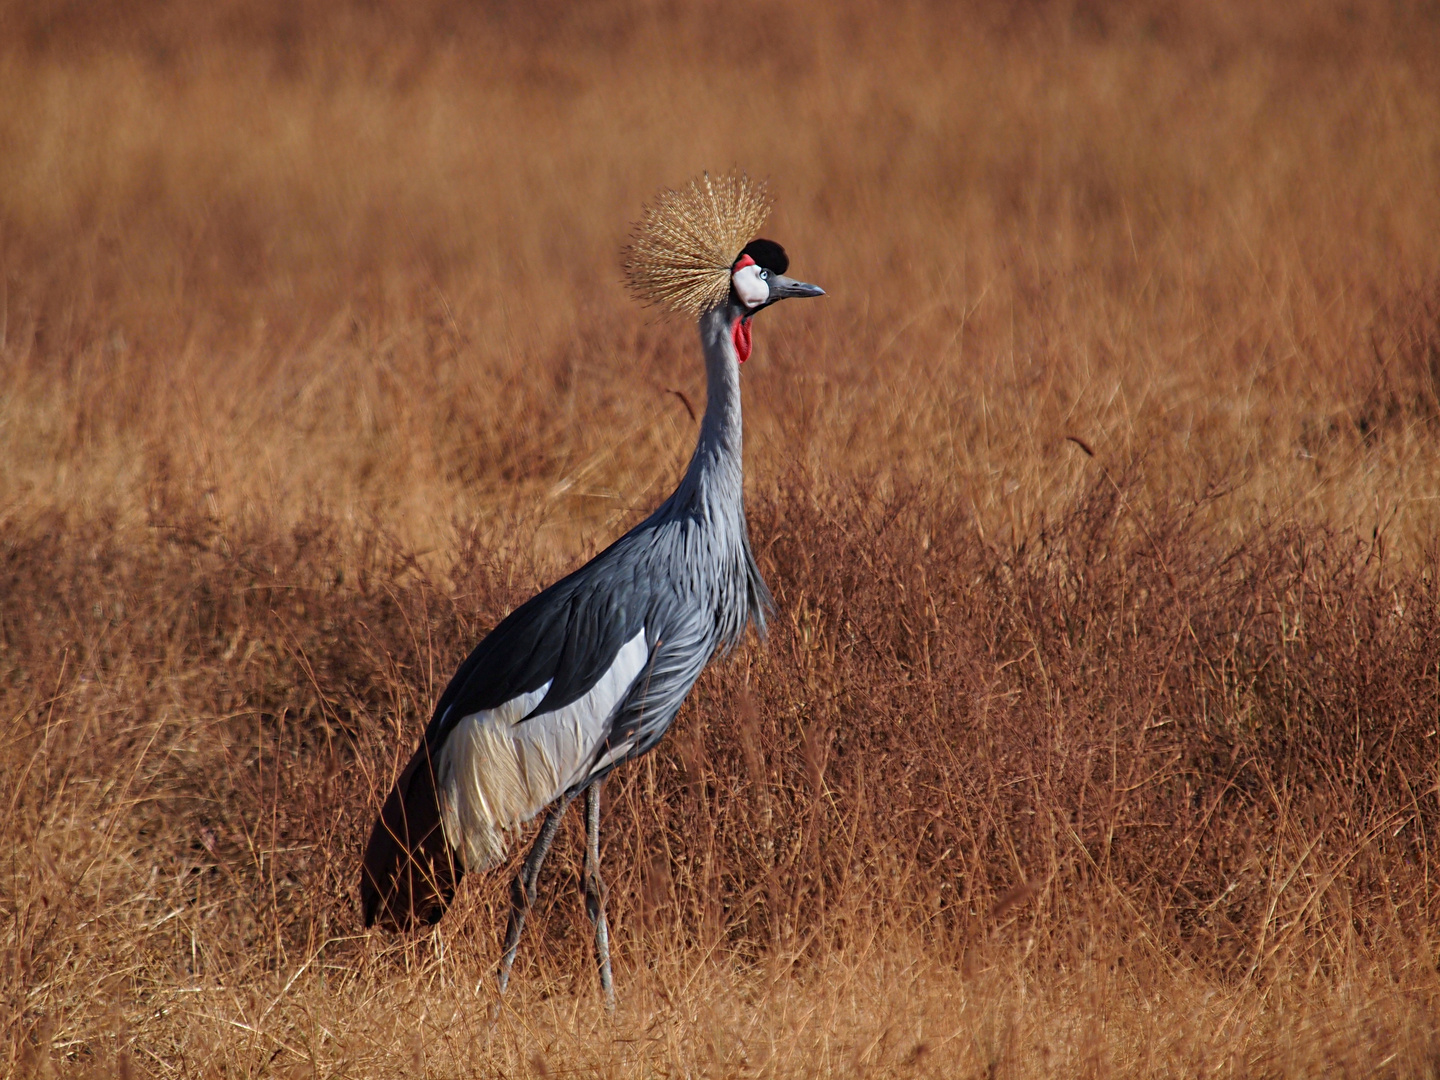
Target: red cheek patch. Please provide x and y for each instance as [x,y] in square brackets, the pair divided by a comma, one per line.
[740,334]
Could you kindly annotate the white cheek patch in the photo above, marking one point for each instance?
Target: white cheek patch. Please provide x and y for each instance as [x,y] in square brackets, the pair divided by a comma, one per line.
[752,289]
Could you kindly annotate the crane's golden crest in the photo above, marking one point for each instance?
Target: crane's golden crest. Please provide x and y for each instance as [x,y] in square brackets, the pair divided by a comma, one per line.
[682,248]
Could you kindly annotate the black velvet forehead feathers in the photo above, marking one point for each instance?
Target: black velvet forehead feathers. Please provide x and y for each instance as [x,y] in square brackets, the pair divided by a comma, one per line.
[766,253]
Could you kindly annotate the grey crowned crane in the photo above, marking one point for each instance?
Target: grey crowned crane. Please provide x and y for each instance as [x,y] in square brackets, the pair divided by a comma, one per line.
[590,673]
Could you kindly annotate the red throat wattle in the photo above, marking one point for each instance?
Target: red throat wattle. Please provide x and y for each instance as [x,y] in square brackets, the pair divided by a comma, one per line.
[740,334]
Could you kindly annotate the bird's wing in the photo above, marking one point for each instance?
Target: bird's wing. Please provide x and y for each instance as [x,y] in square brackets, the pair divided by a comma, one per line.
[555,656]
[563,640]
[498,768]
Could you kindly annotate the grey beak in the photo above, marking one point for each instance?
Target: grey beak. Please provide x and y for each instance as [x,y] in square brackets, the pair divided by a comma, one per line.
[782,287]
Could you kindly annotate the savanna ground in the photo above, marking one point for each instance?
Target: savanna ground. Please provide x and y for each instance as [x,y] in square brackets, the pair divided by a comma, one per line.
[1096,732]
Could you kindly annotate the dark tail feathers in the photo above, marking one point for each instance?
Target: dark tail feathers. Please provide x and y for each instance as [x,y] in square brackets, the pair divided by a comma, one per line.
[410,873]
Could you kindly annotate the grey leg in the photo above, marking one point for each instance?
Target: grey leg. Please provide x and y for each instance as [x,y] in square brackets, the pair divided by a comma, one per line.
[522,889]
[595,891]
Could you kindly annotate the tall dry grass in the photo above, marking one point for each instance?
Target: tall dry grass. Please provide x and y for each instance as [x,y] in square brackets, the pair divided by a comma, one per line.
[1097,732]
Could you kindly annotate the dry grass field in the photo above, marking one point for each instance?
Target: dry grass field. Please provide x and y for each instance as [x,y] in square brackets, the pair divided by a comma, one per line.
[1098,731]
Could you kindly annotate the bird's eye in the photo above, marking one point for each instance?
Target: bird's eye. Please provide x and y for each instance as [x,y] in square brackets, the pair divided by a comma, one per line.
[764,275]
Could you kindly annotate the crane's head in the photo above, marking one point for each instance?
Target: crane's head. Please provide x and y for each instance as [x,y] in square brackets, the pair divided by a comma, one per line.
[682,254]
[757,280]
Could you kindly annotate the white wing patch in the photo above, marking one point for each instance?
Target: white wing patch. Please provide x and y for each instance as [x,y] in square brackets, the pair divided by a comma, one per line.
[496,773]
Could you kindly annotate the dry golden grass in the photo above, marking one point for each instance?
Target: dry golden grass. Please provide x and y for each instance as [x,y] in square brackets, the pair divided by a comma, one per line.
[1101,498]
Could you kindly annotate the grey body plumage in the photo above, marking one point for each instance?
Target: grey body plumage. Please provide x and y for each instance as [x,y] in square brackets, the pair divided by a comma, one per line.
[685,575]
[589,673]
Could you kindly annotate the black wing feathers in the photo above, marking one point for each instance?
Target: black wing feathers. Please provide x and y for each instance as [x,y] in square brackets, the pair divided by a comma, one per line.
[409,873]
[568,636]
[598,625]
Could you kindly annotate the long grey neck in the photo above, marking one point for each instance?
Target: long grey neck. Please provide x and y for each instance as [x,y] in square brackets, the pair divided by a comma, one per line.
[715,472]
